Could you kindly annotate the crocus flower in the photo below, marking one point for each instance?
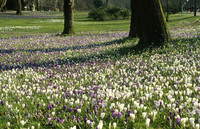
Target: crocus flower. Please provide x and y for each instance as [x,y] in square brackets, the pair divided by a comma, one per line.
[147,122]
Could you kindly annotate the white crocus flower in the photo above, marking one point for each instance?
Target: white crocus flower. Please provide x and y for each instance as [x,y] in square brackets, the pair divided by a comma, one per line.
[144,114]
[110,126]
[100,126]
[132,116]
[8,124]
[23,105]
[114,125]
[73,127]
[102,115]
[79,110]
[183,121]
[121,107]
[192,121]
[147,122]
[23,122]
[197,126]
[154,114]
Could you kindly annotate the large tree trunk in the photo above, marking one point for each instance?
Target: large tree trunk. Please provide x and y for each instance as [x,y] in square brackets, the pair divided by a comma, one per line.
[68,17]
[19,8]
[195,7]
[132,32]
[151,26]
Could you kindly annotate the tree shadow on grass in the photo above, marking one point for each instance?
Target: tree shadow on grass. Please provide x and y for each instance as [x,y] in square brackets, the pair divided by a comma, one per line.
[73,60]
[47,50]
[114,54]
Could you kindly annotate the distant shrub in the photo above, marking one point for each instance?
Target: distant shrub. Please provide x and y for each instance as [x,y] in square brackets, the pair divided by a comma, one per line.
[97,14]
[113,12]
[125,13]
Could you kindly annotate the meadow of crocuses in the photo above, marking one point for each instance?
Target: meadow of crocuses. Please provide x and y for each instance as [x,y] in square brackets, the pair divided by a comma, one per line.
[93,80]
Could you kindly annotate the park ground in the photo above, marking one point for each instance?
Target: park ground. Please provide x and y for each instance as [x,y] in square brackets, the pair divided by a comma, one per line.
[95,78]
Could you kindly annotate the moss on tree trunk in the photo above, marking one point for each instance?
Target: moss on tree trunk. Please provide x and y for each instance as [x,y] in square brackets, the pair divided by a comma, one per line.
[151,26]
[68,17]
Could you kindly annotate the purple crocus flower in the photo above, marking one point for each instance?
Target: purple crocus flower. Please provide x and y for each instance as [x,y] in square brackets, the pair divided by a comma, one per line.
[75,110]
[168,119]
[48,115]
[64,107]
[73,117]
[85,119]
[61,120]
[2,102]
[79,119]
[114,115]
[178,120]
[58,113]
[70,109]
[88,110]
[38,105]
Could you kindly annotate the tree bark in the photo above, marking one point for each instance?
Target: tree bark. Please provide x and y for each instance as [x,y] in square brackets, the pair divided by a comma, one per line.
[132,32]
[68,17]
[151,26]
[19,7]
[181,6]
[37,5]
[195,7]
[167,17]
[3,3]
[60,4]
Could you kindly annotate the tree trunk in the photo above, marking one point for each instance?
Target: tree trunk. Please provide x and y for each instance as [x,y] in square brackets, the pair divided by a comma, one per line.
[107,3]
[132,32]
[195,7]
[37,5]
[60,4]
[3,3]
[181,6]
[19,8]
[150,21]
[68,17]
[167,17]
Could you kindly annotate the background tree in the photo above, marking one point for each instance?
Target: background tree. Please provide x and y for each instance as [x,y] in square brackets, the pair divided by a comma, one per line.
[132,32]
[195,7]
[60,5]
[68,17]
[167,10]
[181,5]
[37,5]
[98,3]
[2,3]
[19,7]
[150,23]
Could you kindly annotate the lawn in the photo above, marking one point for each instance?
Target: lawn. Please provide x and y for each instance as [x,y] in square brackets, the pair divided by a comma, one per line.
[95,78]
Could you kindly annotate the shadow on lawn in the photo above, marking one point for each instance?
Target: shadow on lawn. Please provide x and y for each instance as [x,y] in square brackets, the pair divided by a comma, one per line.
[113,54]
[119,41]
[72,60]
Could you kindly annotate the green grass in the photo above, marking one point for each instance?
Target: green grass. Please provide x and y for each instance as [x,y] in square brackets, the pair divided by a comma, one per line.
[82,23]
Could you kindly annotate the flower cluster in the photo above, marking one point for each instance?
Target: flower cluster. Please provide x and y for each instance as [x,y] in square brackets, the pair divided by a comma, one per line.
[83,81]
[14,28]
